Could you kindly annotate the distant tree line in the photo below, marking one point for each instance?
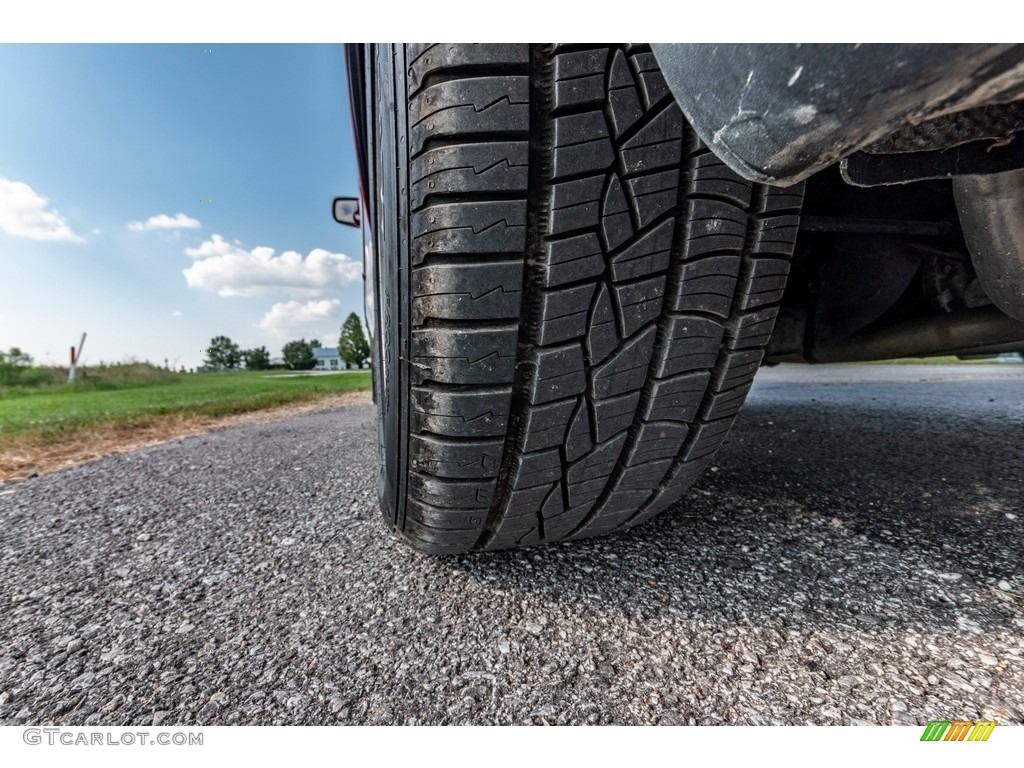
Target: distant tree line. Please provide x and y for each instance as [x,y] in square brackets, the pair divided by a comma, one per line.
[16,366]
[353,349]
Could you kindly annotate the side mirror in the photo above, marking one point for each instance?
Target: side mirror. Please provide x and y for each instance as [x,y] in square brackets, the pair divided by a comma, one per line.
[346,211]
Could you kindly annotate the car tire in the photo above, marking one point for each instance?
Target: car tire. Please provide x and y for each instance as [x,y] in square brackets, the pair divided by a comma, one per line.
[572,292]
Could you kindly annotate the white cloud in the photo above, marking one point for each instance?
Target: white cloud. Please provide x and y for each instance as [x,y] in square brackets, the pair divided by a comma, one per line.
[26,213]
[176,313]
[163,221]
[298,316]
[231,270]
[96,232]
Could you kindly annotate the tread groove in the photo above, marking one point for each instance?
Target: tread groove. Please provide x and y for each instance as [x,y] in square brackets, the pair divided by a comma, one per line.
[538,203]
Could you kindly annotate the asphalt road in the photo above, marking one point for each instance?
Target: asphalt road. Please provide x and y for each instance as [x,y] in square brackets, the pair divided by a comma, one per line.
[855,556]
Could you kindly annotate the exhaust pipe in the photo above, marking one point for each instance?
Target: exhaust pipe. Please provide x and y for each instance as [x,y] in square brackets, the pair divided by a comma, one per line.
[973,331]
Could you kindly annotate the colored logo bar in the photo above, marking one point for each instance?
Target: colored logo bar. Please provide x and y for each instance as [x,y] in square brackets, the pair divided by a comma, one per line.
[958,730]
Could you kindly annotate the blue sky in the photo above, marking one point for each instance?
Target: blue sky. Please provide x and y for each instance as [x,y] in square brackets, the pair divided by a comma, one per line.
[108,156]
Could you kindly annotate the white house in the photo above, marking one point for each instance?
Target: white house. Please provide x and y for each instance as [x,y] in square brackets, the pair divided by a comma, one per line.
[327,359]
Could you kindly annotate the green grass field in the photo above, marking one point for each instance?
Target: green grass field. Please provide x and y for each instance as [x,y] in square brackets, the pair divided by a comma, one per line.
[943,360]
[61,411]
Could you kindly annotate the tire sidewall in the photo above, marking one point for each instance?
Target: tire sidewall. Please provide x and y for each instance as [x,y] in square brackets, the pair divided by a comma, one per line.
[390,381]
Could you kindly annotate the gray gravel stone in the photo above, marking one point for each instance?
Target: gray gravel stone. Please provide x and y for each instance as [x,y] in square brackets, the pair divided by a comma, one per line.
[853,560]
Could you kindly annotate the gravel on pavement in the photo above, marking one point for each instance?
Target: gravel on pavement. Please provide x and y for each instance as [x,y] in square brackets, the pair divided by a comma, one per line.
[854,555]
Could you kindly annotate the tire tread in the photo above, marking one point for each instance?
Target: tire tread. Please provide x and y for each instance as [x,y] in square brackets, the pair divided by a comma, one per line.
[590,289]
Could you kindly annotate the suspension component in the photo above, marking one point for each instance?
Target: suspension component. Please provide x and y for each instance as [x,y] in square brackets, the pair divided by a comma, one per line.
[991,209]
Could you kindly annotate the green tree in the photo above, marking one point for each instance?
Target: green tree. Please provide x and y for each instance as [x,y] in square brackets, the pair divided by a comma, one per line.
[315,344]
[223,353]
[11,364]
[352,345]
[16,357]
[298,355]
[256,359]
